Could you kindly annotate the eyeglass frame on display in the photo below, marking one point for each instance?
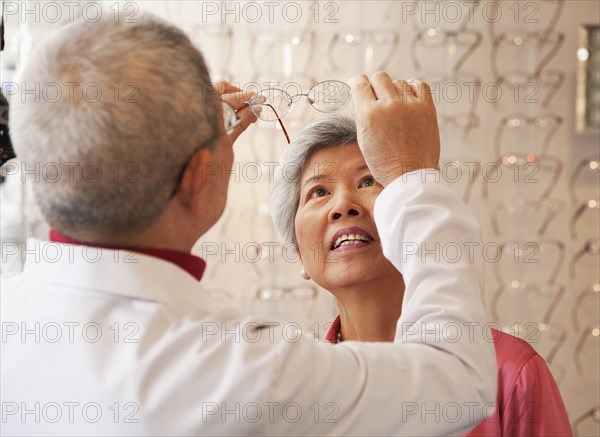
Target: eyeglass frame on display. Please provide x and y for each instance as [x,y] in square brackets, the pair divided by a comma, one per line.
[588,247]
[541,36]
[522,245]
[588,205]
[585,162]
[592,329]
[448,34]
[527,158]
[591,290]
[529,121]
[365,33]
[536,288]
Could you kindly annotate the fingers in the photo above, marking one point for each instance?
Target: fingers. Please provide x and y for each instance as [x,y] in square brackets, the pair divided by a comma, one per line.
[224,87]
[247,117]
[232,94]
[421,90]
[362,93]
[382,85]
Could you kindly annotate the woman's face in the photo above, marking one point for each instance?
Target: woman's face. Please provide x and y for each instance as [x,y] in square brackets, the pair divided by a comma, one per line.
[335,229]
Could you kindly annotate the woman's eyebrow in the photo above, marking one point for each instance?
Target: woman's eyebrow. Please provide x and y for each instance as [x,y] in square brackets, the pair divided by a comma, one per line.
[319,177]
[316,178]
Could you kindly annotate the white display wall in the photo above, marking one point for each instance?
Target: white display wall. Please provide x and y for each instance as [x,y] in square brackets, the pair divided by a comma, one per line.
[505,80]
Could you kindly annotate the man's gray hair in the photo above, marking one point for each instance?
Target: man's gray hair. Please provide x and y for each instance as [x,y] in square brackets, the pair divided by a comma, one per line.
[119,109]
[323,132]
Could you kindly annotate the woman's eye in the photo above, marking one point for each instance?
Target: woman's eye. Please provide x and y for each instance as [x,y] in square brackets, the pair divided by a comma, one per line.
[368,181]
[318,192]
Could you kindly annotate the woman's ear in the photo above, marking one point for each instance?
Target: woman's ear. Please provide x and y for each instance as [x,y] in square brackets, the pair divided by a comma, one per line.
[303,273]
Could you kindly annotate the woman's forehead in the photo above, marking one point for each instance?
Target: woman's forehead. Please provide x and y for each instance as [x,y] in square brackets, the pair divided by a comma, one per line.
[334,158]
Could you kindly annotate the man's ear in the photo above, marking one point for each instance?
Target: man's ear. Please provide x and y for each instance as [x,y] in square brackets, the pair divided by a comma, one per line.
[197,179]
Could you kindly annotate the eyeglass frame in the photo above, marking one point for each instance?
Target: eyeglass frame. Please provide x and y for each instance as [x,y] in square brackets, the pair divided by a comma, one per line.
[533,78]
[291,100]
[585,206]
[585,334]
[588,291]
[529,121]
[585,162]
[536,288]
[448,34]
[522,244]
[541,37]
[311,54]
[502,206]
[587,248]
[594,413]
[536,158]
[557,13]
[368,33]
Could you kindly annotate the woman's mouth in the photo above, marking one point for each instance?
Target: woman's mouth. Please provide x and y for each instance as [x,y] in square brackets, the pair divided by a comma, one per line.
[350,238]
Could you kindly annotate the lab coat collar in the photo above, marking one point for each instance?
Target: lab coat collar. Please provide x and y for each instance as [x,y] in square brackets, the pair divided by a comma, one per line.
[116,272]
[194,265]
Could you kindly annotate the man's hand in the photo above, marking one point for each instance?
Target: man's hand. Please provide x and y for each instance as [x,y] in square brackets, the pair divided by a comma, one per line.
[396,125]
[237,99]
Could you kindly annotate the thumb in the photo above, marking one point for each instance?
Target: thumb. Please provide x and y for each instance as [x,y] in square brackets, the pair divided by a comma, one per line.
[247,118]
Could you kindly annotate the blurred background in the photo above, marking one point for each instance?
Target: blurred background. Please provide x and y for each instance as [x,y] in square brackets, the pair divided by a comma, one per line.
[517,90]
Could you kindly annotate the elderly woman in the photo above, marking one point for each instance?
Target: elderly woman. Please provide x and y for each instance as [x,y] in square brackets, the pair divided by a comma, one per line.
[326,210]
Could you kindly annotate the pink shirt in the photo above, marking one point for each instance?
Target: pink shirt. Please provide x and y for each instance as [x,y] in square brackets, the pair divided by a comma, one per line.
[528,402]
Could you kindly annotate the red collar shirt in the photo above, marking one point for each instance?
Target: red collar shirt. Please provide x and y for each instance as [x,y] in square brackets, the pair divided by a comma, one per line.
[528,400]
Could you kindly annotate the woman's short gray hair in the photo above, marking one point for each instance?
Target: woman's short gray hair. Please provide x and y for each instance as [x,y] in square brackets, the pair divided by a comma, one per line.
[127,105]
[323,132]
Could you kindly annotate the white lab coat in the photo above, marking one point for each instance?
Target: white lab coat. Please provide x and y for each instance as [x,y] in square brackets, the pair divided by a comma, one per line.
[113,343]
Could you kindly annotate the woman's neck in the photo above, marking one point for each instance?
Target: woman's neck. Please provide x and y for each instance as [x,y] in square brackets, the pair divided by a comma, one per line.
[370,312]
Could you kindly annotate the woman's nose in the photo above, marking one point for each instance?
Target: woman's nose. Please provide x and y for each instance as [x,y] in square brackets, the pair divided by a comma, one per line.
[345,207]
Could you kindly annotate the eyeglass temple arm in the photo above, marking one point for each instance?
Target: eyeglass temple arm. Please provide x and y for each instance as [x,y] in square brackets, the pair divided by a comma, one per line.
[287,137]
[472,47]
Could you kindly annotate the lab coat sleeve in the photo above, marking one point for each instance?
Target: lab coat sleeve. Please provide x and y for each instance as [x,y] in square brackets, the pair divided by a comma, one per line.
[439,377]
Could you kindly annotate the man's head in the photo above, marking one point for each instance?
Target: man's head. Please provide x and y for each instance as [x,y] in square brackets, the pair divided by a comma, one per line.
[118,110]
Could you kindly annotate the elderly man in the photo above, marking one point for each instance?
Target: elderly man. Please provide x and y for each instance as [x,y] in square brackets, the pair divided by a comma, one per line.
[108,332]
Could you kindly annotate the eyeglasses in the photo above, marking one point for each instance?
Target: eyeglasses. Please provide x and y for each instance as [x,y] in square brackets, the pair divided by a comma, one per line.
[418,20]
[525,302]
[589,334]
[363,46]
[544,15]
[593,414]
[463,122]
[272,104]
[591,247]
[546,339]
[590,164]
[216,41]
[289,53]
[521,255]
[529,84]
[526,169]
[524,129]
[433,37]
[221,297]
[521,45]
[523,210]
[590,294]
[590,205]
[454,173]
[303,292]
